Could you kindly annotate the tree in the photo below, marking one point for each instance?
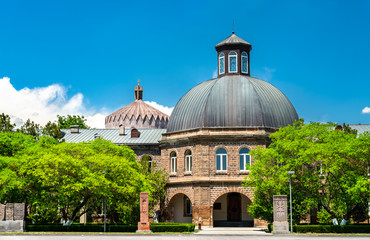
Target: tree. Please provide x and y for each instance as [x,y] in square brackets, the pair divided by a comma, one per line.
[5,124]
[65,180]
[52,130]
[30,128]
[330,171]
[65,122]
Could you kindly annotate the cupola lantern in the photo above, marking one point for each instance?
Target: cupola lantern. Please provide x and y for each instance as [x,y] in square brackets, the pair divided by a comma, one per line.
[233,56]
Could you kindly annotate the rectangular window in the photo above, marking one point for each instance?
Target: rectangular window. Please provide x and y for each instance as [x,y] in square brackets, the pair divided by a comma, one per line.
[221,162]
[244,161]
[218,162]
[222,65]
[188,163]
[173,164]
[232,64]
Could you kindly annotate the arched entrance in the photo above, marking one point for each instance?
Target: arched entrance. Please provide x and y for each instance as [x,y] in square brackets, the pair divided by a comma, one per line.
[181,209]
[230,210]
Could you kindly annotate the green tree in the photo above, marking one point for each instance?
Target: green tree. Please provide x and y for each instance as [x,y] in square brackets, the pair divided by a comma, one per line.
[5,124]
[52,130]
[330,171]
[65,122]
[30,128]
[66,180]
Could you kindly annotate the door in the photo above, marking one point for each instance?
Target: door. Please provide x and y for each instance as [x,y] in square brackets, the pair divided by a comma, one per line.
[234,207]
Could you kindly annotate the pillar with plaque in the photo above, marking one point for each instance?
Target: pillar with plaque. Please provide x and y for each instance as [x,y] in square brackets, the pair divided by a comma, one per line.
[143,225]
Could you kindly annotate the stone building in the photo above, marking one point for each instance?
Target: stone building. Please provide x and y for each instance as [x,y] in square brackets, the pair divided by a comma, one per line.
[205,146]
[210,134]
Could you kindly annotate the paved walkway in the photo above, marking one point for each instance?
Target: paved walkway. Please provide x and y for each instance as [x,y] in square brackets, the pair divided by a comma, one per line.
[233,231]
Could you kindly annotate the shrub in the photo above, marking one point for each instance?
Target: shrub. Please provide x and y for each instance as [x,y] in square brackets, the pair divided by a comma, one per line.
[332,228]
[323,217]
[80,228]
[172,227]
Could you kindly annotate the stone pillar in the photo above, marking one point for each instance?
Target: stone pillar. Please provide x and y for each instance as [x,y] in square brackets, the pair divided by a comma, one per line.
[281,224]
[203,215]
[2,212]
[9,212]
[143,225]
[12,217]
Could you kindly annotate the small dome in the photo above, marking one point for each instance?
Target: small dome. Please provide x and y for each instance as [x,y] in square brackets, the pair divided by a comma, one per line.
[137,114]
[232,101]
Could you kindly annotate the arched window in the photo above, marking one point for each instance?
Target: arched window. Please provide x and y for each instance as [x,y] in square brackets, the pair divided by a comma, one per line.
[244,159]
[173,162]
[146,161]
[233,62]
[188,161]
[244,62]
[221,69]
[221,159]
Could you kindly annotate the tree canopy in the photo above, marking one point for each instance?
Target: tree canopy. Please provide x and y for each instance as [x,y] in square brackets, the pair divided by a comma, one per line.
[65,122]
[5,124]
[331,172]
[66,180]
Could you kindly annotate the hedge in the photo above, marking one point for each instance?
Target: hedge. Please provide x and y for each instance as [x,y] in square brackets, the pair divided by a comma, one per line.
[172,227]
[80,228]
[94,227]
[365,228]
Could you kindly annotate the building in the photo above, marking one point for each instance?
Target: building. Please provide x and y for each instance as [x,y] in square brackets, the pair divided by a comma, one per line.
[204,146]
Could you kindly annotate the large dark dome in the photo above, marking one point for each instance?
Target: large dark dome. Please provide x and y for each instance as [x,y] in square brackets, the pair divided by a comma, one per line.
[232,101]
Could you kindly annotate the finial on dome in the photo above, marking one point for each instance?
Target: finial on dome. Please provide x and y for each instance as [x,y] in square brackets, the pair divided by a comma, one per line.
[138,91]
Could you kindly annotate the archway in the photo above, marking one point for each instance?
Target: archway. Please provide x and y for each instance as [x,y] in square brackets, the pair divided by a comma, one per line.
[230,210]
[181,209]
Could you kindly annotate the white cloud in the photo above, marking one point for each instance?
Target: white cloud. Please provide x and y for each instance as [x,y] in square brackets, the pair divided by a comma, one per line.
[43,104]
[366,110]
[214,74]
[266,74]
[164,109]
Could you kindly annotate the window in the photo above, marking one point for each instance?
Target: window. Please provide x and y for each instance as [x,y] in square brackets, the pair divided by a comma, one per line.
[232,62]
[188,208]
[221,159]
[146,162]
[134,133]
[244,62]
[221,64]
[188,161]
[173,162]
[244,159]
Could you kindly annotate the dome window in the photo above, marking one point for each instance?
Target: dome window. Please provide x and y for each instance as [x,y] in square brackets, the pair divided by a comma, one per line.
[221,64]
[188,161]
[244,159]
[233,62]
[244,62]
[221,159]
[173,163]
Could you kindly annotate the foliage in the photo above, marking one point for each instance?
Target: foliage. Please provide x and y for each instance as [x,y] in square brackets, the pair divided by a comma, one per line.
[65,122]
[52,130]
[323,217]
[30,128]
[75,227]
[66,180]
[330,171]
[5,124]
[332,228]
[172,227]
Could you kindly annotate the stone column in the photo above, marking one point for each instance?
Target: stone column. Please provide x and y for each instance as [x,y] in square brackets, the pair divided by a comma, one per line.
[281,224]
[143,225]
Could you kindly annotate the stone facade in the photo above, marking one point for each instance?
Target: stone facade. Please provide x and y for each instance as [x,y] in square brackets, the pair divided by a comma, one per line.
[204,184]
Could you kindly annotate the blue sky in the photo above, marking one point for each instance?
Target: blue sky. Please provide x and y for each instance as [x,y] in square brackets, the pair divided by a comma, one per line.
[84,57]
